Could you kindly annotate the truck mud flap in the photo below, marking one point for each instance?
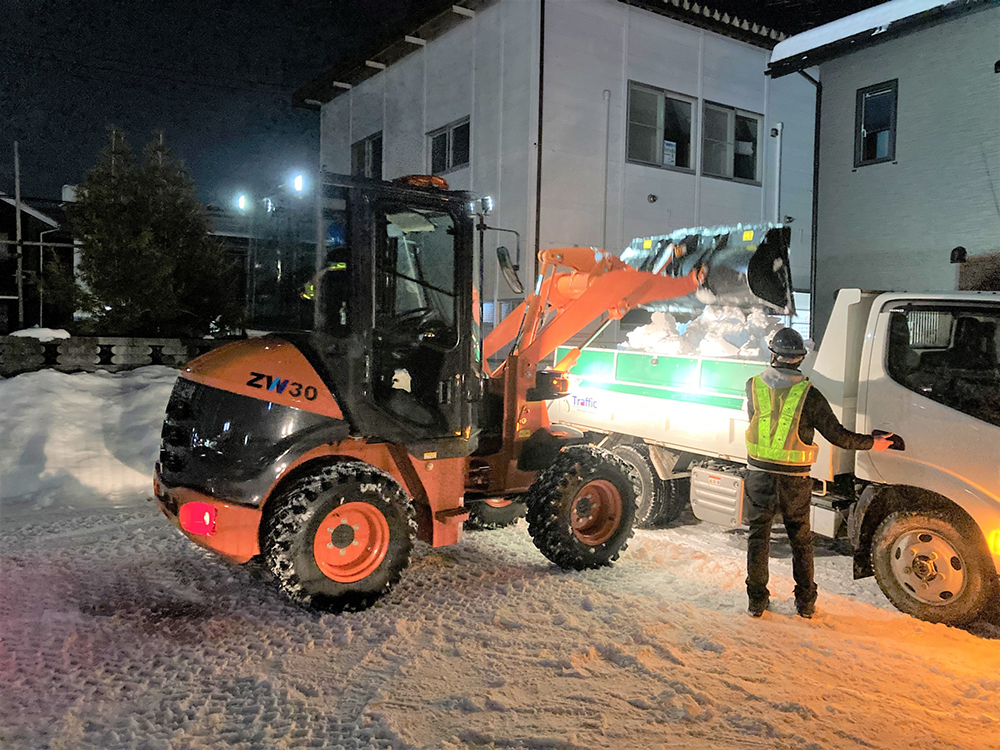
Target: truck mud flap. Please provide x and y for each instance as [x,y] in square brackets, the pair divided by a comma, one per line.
[717,497]
[747,265]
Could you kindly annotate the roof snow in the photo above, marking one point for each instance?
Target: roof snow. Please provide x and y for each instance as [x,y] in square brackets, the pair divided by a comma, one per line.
[873,21]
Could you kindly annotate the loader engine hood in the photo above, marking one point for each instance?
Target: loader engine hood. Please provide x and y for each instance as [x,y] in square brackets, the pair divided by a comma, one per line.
[747,265]
[266,368]
[239,416]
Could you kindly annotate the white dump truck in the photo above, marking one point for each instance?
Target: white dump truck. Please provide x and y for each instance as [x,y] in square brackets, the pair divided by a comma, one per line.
[924,519]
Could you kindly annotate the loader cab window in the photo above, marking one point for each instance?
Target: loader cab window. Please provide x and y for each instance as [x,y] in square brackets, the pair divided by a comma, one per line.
[415,309]
[948,354]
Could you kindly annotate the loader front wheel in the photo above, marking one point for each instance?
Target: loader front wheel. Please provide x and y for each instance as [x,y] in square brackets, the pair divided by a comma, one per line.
[581,509]
[339,539]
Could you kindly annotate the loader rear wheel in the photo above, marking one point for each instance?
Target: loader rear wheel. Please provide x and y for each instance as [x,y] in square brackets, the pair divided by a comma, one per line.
[338,539]
[929,566]
[653,496]
[494,513]
[582,508]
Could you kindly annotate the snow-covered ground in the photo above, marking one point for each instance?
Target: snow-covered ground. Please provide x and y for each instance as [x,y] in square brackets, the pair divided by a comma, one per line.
[115,631]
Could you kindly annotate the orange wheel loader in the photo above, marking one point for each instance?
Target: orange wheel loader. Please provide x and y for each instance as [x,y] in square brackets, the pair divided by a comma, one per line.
[370,417]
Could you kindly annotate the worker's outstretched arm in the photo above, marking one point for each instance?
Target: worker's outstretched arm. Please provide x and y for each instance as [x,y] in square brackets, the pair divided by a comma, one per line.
[821,416]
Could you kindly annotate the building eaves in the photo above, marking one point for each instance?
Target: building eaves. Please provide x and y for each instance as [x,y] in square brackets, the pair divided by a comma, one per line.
[29,210]
[440,17]
[866,29]
[712,18]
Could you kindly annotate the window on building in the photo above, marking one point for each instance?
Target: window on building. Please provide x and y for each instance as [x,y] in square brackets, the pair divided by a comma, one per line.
[731,143]
[948,354]
[875,129]
[449,146]
[659,127]
[366,157]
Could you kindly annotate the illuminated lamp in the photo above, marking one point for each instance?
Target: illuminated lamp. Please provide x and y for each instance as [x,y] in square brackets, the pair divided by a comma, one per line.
[994,541]
[198,518]
[422,180]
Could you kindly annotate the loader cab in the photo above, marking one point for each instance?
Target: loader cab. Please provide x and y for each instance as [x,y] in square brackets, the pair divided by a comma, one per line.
[394,312]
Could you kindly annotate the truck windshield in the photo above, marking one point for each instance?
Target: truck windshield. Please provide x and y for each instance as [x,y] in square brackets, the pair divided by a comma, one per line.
[948,354]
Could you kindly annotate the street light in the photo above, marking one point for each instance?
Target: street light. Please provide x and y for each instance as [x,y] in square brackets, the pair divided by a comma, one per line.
[243,202]
[298,183]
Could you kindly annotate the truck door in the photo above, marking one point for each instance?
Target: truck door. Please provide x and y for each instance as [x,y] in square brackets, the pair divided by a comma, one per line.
[934,379]
[422,317]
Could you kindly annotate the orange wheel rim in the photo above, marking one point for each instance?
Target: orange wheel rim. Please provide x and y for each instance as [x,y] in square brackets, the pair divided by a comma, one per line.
[351,542]
[498,502]
[597,512]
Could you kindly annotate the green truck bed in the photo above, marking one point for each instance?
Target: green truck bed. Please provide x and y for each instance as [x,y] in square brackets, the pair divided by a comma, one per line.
[713,382]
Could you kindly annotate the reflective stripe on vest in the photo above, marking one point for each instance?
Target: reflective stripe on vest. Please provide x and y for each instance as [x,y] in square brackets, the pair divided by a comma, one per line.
[779,444]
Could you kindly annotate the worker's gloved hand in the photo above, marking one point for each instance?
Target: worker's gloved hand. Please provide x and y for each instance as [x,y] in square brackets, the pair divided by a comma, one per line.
[882,442]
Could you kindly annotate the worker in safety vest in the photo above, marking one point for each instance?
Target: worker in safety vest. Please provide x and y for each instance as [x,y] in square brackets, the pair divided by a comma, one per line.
[785,411]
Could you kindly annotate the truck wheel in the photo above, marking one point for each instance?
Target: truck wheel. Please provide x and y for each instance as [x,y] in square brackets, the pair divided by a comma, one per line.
[494,513]
[929,566]
[581,509]
[653,494]
[678,498]
[338,539]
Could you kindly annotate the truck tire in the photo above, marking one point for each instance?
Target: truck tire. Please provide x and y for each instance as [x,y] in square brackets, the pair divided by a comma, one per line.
[929,566]
[653,494]
[678,498]
[338,539]
[582,508]
[493,514]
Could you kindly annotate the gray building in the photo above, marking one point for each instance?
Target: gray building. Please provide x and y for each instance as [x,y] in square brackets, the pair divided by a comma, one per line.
[909,147]
[589,122]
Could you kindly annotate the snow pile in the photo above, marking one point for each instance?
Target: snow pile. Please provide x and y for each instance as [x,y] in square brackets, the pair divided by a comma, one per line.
[717,332]
[80,440]
[42,334]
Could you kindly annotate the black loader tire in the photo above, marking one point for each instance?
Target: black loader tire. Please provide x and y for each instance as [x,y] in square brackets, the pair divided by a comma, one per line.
[678,498]
[902,533]
[483,516]
[581,485]
[291,528]
[653,497]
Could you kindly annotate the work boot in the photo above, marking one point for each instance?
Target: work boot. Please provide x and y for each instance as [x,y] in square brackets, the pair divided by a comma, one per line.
[806,610]
[756,609]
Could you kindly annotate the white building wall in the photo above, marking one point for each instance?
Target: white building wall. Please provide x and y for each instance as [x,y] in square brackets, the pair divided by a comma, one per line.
[485,69]
[593,46]
[892,225]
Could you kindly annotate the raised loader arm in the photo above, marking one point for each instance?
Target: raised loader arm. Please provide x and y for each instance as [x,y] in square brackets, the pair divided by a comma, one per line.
[566,302]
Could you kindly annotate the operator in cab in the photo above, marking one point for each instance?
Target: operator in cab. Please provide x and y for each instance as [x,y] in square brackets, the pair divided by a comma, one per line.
[785,411]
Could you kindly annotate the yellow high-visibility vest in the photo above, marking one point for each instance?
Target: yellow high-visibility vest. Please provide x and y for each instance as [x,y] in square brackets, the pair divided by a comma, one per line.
[773,434]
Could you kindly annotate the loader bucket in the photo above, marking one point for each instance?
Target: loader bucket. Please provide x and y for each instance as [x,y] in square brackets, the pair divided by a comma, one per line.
[747,265]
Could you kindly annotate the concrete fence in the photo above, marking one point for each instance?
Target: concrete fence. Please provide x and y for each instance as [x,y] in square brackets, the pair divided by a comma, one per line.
[90,353]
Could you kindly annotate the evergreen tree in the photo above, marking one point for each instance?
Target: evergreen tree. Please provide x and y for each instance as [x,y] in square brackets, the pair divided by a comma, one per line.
[147,264]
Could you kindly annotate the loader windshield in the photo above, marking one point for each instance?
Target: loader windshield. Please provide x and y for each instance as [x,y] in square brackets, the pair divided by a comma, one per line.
[420,264]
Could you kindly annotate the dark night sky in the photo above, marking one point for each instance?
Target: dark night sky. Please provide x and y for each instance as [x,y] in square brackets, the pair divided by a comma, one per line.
[215,75]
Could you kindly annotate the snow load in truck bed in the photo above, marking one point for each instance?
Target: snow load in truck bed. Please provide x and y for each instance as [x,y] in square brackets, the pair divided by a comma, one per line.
[717,332]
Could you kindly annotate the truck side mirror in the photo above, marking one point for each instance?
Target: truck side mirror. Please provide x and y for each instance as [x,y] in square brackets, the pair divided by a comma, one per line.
[509,272]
